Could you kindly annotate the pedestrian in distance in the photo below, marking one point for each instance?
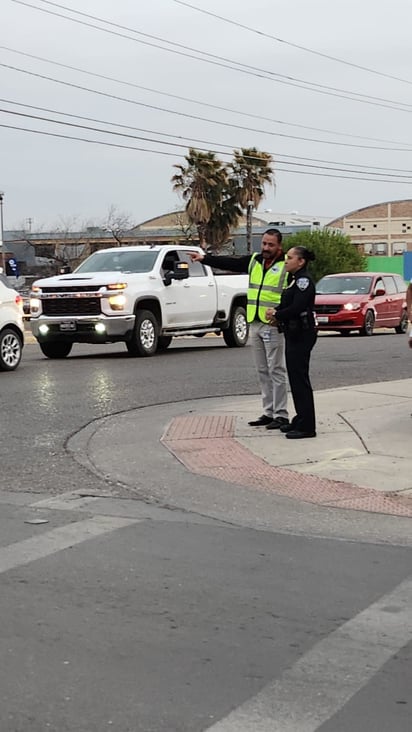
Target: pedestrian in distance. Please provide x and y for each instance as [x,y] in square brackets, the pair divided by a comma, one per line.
[295,318]
[267,279]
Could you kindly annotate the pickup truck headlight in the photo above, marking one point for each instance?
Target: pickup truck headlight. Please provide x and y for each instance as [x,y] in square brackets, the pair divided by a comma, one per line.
[34,304]
[351,306]
[117,302]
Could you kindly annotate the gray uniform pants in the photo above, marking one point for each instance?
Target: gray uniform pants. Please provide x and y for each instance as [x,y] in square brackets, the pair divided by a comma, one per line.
[269,352]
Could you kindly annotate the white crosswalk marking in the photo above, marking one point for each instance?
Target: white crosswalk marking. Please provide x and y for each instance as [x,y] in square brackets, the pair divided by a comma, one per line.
[50,542]
[324,679]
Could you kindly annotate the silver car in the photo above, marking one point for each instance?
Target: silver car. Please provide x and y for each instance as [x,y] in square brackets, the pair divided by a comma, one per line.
[11,326]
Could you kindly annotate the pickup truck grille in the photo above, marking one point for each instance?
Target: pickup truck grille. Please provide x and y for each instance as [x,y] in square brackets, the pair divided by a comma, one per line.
[74,288]
[72,306]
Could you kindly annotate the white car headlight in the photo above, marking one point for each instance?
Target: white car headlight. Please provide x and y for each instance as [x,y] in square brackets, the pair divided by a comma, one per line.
[351,306]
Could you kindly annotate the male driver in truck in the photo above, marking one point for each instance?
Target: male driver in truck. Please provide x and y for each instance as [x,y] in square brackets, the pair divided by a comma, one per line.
[267,278]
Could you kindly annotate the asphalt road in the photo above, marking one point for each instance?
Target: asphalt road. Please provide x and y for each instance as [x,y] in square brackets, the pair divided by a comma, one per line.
[166,621]
[46,401]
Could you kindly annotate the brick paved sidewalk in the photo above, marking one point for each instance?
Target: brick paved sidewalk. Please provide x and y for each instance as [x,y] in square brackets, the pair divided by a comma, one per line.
[207,445]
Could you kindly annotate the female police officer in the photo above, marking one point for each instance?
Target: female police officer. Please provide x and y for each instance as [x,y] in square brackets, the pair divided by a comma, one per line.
[295,318]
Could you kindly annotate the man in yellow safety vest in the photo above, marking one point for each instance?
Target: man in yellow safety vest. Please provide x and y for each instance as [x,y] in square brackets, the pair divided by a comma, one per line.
[267,278]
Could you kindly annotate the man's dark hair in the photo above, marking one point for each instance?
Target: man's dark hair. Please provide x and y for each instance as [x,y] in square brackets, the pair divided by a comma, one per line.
[275,232]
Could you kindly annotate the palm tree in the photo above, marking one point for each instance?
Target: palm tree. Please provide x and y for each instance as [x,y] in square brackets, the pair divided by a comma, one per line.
[225,218]
[205,186]
[250,171]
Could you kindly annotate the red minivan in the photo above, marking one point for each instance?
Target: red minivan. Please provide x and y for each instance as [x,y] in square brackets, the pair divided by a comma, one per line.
[361,301]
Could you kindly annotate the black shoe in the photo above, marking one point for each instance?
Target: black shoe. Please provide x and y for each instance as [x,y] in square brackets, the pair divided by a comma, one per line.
[299,435]
[278,423]
[286,428]
[263,420]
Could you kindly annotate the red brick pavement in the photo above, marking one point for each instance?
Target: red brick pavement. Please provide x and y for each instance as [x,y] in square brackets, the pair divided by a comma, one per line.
[206,445]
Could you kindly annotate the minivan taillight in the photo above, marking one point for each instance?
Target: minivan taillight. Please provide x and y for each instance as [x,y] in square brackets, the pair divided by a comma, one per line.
[19,301]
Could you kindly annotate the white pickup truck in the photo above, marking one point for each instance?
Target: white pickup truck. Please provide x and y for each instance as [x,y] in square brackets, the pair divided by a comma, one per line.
[141,295]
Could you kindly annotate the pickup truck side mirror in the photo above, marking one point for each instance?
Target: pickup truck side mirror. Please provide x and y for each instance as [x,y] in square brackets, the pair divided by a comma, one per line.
[180,272]
[66,269]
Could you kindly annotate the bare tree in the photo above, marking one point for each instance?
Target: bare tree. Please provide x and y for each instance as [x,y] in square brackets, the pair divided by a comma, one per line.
[69,235]
[117,223]
[184,226]
[59,245]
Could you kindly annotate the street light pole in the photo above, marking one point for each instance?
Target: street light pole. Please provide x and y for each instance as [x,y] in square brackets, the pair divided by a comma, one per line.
[1,233]
[249,211]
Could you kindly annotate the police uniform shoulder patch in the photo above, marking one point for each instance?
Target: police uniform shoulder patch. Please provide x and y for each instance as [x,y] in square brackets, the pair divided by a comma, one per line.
[302,283]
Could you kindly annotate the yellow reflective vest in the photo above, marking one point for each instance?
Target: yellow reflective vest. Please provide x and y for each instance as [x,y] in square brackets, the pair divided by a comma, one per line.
[265,288]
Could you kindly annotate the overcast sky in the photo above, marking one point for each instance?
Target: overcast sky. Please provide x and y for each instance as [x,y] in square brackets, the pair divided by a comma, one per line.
[47,179]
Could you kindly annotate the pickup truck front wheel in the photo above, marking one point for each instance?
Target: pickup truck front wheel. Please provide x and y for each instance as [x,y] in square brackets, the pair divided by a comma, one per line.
[56,349]
[145,335]
[236,335]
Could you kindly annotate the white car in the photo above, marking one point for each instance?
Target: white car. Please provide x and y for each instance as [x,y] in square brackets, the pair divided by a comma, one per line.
[11,326]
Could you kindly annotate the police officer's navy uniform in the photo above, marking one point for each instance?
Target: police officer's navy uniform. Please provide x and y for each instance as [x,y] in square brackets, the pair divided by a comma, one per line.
[265,288]
[296,318]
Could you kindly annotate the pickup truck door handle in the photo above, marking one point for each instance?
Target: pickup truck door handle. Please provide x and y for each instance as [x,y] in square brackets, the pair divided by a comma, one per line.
[187,286]
[211,284]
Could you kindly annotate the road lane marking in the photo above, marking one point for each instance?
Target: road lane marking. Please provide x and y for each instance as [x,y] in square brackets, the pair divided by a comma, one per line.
[320,683]
[63,537]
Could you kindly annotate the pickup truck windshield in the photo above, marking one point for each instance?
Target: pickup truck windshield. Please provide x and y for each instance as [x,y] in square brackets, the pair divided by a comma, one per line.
[343,285]
[133,262]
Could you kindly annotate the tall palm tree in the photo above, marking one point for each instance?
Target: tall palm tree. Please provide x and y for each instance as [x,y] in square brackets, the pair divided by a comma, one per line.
[205,187]
[251,169]
[225,218]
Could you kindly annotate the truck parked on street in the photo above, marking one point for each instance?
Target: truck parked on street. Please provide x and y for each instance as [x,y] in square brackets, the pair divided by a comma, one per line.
[142,295]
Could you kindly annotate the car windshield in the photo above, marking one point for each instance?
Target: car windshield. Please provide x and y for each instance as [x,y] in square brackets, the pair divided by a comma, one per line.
[343,285]
[127,262]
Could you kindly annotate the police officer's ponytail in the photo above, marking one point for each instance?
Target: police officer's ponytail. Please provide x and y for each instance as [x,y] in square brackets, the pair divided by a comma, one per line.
[305,254]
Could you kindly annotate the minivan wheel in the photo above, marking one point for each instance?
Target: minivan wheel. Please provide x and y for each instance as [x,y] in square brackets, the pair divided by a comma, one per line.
[11,347]
[403,325]
[368,324]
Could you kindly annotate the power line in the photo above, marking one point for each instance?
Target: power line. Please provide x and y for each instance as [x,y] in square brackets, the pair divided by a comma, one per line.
[169,154]
[224,62]
[400,178]
[197,117]
[185,141]
[289,43]
[197,101]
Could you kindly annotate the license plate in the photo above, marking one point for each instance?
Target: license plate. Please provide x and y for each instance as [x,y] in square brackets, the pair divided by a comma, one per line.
[322,318]
[69,325]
